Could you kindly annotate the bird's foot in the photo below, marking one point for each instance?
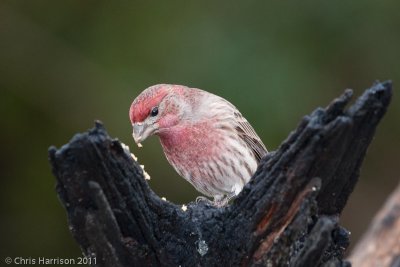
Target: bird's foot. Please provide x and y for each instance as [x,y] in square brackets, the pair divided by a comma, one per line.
[222,202]
[218,201]
[204,199]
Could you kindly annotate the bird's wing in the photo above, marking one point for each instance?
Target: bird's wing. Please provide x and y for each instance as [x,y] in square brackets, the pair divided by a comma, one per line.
[249,136]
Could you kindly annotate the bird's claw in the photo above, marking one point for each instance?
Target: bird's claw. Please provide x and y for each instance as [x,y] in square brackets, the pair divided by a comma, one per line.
[216,203]
[203,199]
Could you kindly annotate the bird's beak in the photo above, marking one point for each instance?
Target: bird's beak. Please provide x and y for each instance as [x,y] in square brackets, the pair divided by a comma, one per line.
[141,131]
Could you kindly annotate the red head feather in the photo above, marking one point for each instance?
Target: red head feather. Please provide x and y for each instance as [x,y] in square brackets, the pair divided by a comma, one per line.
[148,99]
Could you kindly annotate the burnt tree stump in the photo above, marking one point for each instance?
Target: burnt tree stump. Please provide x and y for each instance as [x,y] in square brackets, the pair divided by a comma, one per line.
[287,215]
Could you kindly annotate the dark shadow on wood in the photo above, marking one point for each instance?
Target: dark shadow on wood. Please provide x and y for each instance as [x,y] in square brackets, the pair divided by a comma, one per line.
[287,214]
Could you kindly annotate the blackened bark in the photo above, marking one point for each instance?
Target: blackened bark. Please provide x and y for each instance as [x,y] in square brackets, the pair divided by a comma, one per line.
[287,215]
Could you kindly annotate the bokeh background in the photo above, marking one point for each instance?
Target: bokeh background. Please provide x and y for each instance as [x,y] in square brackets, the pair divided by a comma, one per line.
[64,64]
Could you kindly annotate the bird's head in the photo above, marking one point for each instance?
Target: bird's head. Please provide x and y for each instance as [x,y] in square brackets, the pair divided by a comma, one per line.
[157,108]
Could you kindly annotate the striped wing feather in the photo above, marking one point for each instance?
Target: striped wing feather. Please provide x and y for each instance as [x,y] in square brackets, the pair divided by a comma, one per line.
[250,137]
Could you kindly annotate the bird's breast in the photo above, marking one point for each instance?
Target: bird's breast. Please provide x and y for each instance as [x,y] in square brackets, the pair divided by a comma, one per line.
[188,143]
[210,157]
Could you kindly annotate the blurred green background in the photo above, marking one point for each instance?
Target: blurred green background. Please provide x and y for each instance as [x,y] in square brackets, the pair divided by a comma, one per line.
[64,64]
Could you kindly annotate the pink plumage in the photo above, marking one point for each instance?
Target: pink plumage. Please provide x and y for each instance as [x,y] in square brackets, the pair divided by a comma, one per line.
[204,137]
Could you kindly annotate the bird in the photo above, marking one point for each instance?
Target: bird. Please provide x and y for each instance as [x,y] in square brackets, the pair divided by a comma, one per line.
[204,137]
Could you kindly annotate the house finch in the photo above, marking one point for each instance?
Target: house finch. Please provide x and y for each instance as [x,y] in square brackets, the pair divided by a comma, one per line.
[204,137]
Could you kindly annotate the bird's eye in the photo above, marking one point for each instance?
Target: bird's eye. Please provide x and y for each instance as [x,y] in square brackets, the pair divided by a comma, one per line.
[154,112]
